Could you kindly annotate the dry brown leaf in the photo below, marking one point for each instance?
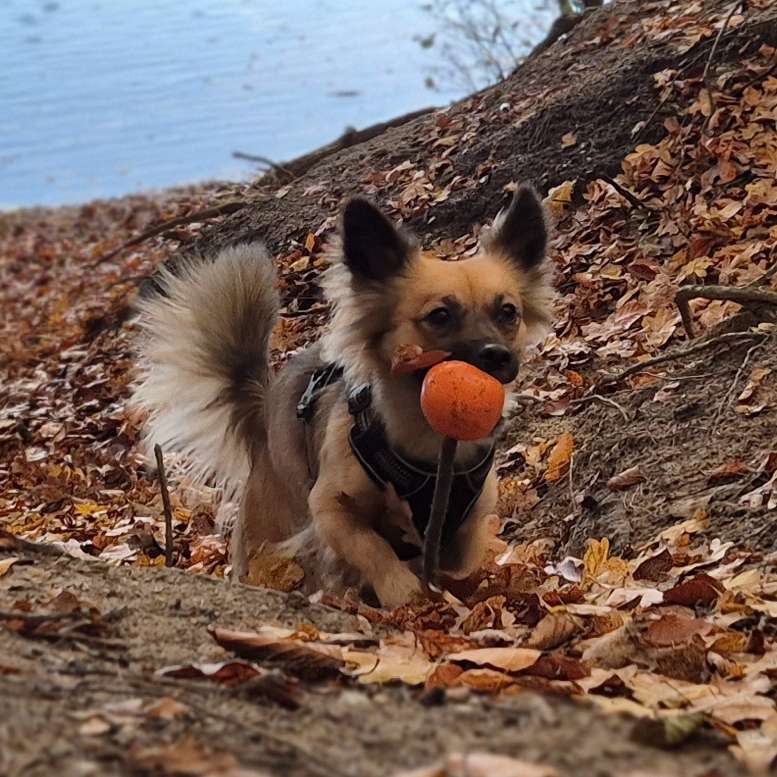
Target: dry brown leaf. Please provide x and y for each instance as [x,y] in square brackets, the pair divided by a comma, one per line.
[559,667]
[596,556]
[559,458]
[6,564]
[729,470]
[305,659]
[167,708]
[439,643]
[386,666]
[626,479]
[674,629]
[272,571]
[187,758]
[655,568]
[508,658]
[552,631]
[613,650]
[699,590]
[443,676]
[484,680]
[568,140]
[476,764]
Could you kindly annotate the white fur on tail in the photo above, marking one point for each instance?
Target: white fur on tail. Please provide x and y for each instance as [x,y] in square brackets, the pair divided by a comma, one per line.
[204,361]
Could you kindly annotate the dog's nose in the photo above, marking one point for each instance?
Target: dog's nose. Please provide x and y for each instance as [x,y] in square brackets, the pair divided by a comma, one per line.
[499,361]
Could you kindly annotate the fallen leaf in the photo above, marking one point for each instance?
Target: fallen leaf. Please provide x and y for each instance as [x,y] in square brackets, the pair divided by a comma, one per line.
[559,458]
[6,564]
[385,667]
[626,479]
[304,659]
[508,658]
[674,629]
[700,590]
[273,571]
[552,631]
[187,758]
[477,764]
[728,471]
[596,557]
[655,568]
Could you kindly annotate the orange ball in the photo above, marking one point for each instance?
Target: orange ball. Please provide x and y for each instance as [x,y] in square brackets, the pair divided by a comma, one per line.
[461,401]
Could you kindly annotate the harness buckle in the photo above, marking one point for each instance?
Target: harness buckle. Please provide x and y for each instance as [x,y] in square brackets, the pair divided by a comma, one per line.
[359,400]
[319,380]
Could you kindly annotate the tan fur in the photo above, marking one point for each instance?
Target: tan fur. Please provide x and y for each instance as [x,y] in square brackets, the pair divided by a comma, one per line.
[335,520]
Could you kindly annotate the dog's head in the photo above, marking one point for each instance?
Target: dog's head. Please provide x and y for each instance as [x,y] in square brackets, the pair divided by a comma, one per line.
[483,310]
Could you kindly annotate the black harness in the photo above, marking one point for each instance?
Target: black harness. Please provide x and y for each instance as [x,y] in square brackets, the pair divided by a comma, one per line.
[413,481]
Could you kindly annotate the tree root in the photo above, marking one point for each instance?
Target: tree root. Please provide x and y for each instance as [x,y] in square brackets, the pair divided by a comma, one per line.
[209,213]
[743,296]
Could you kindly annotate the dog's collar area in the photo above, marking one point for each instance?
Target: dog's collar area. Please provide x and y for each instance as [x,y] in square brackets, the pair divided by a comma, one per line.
[413,481]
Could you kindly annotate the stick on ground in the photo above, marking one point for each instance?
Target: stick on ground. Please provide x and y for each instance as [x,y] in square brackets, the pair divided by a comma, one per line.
[730,293]
[679,354]
[209,213]
[160,465]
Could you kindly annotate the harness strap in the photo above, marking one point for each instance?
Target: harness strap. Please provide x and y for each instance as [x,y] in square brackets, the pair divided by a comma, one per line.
[306,408]
[413,481]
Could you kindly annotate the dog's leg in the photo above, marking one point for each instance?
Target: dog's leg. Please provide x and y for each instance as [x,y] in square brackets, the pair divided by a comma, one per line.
[342,526]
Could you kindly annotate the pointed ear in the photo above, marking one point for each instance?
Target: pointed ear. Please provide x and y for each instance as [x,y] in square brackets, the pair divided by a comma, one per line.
[373,248]
[520,233]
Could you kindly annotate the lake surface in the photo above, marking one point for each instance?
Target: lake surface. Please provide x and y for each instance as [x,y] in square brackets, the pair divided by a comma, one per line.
[104,97]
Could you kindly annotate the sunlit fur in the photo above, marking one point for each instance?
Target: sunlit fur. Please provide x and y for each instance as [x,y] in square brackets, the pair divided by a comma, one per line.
[370,322]
[209,394]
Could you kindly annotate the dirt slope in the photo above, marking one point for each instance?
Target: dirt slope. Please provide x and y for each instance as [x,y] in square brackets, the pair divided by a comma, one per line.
[50,702]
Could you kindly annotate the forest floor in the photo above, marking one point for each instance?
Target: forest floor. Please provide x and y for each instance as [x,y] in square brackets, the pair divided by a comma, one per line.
[627,623]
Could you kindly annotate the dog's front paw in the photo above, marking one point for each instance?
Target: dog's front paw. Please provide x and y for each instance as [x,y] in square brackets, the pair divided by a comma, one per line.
[399,587]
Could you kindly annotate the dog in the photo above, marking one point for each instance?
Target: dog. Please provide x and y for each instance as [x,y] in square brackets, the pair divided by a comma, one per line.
[332,457]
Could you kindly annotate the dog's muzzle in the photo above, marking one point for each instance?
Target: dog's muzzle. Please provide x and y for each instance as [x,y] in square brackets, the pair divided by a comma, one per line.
[496,359]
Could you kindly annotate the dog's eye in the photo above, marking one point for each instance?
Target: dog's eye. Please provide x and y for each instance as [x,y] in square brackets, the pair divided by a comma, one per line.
[508,313]
[439,317]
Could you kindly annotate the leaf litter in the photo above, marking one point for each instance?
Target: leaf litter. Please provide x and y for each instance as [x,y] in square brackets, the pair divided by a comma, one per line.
[679,630]
[676,633]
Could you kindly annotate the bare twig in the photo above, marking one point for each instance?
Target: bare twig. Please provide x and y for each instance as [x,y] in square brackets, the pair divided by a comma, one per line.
[730,293]
[768,275]
[703,345]
[760,76]
[603,400]
[263,160]
[209,213]
[729,395]
[729,398]
[35,618]
[160,465]
[625,193]
[10,541]
[715,45]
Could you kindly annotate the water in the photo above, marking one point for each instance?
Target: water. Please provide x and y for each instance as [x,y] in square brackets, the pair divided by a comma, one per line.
[103,97]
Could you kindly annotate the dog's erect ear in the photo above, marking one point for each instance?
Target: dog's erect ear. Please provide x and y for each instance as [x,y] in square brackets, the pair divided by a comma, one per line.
[520,232]
[373,248]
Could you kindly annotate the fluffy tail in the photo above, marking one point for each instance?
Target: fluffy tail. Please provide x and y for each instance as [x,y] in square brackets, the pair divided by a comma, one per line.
[204,361]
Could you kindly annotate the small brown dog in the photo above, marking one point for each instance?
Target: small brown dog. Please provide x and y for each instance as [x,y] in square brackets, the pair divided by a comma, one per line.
[332,456]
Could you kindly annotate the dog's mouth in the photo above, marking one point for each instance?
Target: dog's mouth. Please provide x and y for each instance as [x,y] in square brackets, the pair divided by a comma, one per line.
[492,358]
[412,359]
